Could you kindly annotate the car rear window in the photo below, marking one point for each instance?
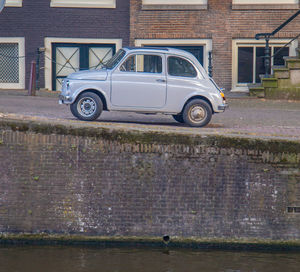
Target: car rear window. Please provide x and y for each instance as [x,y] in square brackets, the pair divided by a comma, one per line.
[180,67]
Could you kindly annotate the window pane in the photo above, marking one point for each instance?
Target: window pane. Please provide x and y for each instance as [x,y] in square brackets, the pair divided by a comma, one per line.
[67,60]
[143,64]
[149,64]
[245,64]
[128,65]
[115,59]
[180,67]
[99,55]
[260,63]
[9,63]
[278,59]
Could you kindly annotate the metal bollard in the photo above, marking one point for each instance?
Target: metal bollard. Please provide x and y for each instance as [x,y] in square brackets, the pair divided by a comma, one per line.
[32,79]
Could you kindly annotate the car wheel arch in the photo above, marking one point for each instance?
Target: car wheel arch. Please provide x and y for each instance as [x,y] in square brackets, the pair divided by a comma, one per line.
[97,92]
[198,97]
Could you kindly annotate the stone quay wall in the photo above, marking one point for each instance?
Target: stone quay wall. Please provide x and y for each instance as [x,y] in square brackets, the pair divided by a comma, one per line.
[95,182]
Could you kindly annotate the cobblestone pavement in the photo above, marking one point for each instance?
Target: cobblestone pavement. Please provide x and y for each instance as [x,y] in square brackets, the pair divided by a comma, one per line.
[245,117]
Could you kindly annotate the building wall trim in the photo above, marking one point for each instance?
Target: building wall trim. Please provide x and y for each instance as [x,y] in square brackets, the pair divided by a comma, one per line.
[174,7]
[174,4]
[262,7]
[13,3]
[265,4]
[21,43]
[83,3]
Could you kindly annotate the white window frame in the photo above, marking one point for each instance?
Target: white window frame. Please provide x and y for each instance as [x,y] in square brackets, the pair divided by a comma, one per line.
[21,84]
[243,87]
[13,3]
[174,4]
[83,3]
[206,43]
[48,52]
[265,4]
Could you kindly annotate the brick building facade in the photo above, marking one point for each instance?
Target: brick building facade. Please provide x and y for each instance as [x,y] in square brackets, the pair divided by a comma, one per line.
[227,28]
[78,34]
[74,34]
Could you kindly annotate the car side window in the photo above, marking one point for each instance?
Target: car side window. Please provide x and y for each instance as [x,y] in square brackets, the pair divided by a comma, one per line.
[142,64]
[180,67]
[128,65]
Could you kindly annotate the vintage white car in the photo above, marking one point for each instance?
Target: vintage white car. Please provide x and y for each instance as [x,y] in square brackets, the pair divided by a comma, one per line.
[146,80]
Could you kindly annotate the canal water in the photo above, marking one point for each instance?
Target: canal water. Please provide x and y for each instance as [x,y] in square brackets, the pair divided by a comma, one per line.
[92,259]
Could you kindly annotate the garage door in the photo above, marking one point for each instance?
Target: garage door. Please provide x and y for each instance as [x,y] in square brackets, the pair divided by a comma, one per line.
[72,57]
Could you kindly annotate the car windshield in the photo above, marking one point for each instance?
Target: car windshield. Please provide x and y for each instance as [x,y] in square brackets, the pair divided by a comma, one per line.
[115,59]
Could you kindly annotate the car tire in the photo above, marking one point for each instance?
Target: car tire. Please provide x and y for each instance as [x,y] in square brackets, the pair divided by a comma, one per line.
[87,107]
[197,113]
[178,118]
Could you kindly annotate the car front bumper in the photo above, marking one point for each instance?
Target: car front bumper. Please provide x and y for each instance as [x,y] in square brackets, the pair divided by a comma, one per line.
[64,99]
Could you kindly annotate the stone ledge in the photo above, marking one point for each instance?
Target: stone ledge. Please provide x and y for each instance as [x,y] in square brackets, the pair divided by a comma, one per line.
[152,137]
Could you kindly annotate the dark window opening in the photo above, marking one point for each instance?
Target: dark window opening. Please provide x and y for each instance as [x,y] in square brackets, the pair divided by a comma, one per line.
[279,58]
[245,64]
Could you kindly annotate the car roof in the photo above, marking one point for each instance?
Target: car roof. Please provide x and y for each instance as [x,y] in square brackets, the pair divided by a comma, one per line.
[169,50]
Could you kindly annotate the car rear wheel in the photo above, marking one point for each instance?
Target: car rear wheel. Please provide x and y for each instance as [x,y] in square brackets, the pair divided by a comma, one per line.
[88,107]
[197,113]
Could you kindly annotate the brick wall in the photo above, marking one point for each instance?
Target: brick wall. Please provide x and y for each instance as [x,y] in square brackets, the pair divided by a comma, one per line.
[145,185]
[36,20]
[219,22]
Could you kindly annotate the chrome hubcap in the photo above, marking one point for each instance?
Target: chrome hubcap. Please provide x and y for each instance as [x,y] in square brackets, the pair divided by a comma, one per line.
[87,106]
[197,114]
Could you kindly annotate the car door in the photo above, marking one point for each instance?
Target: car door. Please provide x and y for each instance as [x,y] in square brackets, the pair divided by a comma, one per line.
[139,82]
[184,81]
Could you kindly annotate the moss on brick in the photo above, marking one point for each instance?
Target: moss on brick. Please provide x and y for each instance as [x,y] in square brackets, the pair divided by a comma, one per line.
[291,93]
[270,82]
[164,138]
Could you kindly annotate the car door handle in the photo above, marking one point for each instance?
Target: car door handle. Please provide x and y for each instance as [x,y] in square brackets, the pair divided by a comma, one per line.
[160,80]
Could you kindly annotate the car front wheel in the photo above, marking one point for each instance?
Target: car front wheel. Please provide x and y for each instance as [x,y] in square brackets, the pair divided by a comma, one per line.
[197,113]
[88,107]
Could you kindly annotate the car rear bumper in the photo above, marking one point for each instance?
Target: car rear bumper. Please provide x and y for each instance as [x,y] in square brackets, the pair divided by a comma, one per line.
[223,107]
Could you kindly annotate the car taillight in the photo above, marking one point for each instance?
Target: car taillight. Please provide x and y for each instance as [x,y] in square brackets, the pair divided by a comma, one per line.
[223,95]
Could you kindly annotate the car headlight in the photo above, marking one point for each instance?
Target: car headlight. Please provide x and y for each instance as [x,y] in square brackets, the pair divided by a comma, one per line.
[67,83]
[67,86]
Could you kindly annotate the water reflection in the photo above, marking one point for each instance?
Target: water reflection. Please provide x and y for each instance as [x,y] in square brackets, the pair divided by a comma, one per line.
[87,259]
